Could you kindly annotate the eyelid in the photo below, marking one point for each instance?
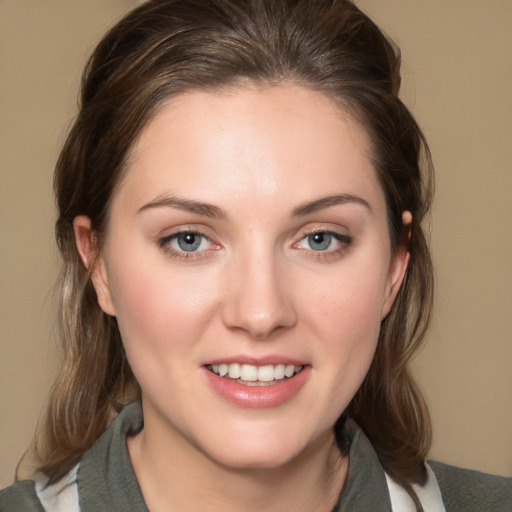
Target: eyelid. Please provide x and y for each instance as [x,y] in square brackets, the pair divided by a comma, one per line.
[181,231]
[337,232]
[344,240]
[164,243]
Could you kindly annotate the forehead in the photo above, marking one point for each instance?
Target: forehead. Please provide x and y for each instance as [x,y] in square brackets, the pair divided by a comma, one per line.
[275,142]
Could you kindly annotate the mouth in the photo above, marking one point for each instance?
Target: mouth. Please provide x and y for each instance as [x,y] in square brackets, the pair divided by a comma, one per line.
[257,384]
[251,375]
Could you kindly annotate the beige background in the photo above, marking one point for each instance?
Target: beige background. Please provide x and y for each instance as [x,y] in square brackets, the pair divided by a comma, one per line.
[457,75]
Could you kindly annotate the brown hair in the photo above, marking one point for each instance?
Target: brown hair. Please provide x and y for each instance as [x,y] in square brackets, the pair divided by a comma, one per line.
[166,47]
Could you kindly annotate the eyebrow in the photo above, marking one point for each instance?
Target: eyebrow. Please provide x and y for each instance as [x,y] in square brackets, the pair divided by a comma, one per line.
[214,212]
[189,205]
[327,202]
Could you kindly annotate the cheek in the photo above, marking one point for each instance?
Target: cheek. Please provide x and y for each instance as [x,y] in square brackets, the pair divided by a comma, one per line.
[160,308]
[349,301]
[341,317]
[161,317]
[349,327]
[344,316]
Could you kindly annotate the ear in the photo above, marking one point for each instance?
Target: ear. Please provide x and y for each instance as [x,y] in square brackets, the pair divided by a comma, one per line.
[398,266]
[86,243]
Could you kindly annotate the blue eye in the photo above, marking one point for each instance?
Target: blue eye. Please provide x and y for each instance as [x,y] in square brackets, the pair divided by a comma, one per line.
[320,241]
[189,242]
[324,241]
[186,242]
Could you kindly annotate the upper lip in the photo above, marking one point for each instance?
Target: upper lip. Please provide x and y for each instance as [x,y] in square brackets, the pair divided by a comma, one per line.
[256,361]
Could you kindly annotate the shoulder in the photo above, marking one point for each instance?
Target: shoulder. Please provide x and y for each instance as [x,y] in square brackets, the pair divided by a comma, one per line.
[102,480]
[36,496]
[469,490]
[20,497]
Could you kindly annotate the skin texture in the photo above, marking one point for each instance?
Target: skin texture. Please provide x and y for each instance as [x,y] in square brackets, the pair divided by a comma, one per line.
[256,287]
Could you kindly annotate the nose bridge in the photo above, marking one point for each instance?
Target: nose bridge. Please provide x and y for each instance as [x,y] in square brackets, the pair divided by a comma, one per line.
[260,301]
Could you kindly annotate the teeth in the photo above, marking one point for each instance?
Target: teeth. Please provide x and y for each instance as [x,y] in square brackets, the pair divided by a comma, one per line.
[266,373]
[223,370]
[234,371]
[251,373]
[289,370]
[279,371]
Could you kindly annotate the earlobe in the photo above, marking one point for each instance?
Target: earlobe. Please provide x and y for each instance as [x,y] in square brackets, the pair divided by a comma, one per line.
[398,267]
[86,243]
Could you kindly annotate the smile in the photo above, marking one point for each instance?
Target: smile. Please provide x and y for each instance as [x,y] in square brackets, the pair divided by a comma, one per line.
[251,375]
[256,386]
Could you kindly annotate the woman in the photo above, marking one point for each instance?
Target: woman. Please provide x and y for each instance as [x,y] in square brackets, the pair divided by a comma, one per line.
[240,207]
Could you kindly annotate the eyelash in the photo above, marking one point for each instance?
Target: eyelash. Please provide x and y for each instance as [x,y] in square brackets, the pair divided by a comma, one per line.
[165,245]
[345,242]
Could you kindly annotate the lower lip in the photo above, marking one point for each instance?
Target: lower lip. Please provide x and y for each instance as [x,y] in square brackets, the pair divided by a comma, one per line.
[258,397]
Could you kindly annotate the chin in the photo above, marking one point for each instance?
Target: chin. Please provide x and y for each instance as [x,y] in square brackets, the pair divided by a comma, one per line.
[258,460]
[265,450]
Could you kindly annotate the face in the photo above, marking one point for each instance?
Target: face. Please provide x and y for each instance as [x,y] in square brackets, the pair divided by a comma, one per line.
[248,263]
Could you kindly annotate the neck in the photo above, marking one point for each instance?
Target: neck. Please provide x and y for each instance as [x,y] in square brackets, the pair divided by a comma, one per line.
[170,478]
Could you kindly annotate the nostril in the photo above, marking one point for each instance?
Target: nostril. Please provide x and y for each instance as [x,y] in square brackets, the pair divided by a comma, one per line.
[259,301]
[259,325]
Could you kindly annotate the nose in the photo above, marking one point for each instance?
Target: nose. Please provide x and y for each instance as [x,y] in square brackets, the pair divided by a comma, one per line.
[260,298]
